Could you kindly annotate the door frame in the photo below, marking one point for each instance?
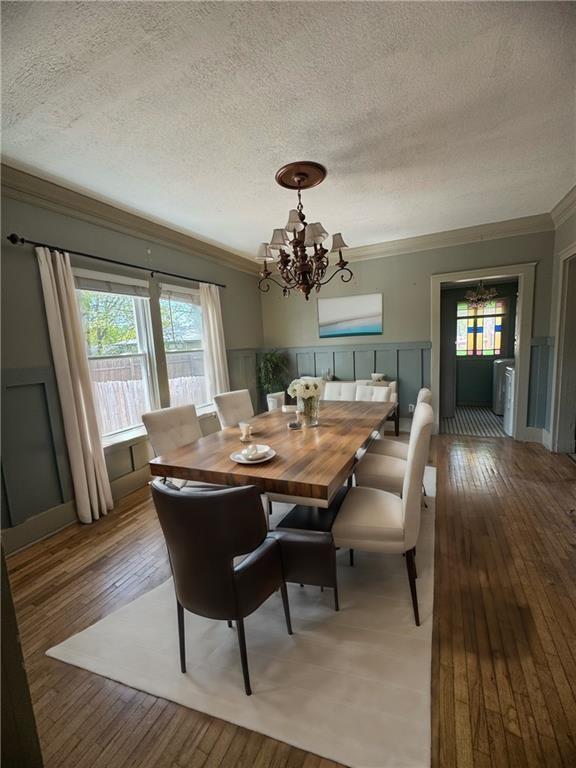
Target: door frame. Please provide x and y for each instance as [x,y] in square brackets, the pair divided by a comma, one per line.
[553,439]
[524,311]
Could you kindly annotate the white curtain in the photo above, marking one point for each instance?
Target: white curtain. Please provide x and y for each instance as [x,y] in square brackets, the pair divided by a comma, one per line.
[92,491]
[215,362]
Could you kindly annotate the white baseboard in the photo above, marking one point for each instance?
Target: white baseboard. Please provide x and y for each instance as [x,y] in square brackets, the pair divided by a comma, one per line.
[530,435]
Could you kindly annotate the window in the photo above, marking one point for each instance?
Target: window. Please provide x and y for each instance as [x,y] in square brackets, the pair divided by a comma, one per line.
[121,317]
[479,331]
[181,315]
[117,331]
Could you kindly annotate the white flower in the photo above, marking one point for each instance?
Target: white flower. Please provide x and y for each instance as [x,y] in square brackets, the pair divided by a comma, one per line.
[304,388]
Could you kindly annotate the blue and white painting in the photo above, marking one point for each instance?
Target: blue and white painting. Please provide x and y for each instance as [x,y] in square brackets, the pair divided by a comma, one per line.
[350,316]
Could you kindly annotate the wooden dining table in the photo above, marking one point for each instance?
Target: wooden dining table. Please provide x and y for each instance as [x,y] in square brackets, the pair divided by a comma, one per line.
[311,463]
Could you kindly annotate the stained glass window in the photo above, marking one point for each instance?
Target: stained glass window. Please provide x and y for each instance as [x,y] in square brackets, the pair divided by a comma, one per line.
[479,331]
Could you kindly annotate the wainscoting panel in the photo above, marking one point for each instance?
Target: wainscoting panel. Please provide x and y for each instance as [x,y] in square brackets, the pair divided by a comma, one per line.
[387,363]
[364,363]
[540,381]
[409,377]
[141,454]
[119,461]
[344,365]
[426,367]
[35,466]
[323,362]
[305,364]
[409,362]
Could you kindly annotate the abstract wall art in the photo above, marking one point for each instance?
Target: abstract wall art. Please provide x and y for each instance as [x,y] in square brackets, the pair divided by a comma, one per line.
[350,316]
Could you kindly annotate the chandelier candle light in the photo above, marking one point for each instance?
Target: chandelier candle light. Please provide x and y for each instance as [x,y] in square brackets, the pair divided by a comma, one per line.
[302,259]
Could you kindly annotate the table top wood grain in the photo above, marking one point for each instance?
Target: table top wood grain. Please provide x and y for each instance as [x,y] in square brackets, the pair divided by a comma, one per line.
[311,462]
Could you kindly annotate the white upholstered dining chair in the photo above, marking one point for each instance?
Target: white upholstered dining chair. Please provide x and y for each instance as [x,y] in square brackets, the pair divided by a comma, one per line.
[389,446]
[170,428]
[233,407]
[373,520]
[388,472]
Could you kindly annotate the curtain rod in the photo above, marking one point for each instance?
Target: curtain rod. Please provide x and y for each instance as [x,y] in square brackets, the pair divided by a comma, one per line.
[17,240]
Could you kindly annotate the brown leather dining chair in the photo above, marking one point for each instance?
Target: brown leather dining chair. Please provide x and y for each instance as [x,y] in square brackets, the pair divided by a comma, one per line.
[206,528]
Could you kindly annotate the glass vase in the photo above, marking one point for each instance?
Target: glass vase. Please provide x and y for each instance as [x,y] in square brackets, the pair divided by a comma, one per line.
[308,410]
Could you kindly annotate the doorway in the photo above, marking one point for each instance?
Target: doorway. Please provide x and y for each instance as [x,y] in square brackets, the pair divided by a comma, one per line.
[524,273]
[477,347]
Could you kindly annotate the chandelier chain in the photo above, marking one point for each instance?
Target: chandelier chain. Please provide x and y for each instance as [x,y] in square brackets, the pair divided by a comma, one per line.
[302,260]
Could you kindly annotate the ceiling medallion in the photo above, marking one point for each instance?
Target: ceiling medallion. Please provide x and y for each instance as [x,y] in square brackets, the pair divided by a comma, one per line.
[480,296]
[304,268]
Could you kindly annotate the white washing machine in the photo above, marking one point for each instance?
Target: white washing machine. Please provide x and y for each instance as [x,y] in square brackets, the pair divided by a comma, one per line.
[498,383]
[509,376]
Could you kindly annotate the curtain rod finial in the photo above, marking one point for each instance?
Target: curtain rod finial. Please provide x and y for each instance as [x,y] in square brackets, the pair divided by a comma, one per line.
[15,239]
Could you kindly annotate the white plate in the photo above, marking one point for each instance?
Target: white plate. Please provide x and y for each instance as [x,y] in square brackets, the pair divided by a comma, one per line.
[240,459]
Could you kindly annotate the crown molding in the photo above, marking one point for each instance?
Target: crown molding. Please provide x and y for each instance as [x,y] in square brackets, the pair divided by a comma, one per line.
[564,208]
[526,225]
[25,187]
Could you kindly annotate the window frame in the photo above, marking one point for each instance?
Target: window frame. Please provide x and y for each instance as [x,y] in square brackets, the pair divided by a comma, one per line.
[171,290]
[148,327]
[144,339]
[504,315]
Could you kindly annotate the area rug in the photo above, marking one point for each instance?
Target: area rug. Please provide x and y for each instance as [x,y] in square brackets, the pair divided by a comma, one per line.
[352,686]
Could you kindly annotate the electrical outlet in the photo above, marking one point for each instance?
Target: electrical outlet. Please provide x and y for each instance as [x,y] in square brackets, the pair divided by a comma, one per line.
[411,408]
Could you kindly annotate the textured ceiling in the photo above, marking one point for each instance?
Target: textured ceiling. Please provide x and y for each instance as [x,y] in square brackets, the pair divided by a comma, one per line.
[428,116]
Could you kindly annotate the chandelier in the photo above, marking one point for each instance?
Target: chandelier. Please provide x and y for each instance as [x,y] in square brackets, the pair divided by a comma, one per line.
[478,297]
[301,258]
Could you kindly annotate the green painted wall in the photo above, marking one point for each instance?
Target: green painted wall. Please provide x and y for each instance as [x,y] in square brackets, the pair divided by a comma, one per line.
[32,424]
[36,487]
[404,282]
[22,296]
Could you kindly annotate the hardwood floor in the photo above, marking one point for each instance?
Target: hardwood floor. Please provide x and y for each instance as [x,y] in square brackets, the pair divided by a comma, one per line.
[504,647]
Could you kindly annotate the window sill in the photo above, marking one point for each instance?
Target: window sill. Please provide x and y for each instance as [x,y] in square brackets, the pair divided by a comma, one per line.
[127,437]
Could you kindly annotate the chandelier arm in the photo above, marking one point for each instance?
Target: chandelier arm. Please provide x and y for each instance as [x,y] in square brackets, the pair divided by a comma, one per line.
[289,278]
[343,277]
[267,280]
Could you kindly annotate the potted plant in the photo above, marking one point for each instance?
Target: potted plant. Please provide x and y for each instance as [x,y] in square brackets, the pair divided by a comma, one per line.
[273,372]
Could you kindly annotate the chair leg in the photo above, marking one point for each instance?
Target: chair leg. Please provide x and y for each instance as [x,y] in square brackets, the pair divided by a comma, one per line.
[335,572]
[351,557]
[411,568]
[397,422]
[284,592]
[243,655]
[181,639]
